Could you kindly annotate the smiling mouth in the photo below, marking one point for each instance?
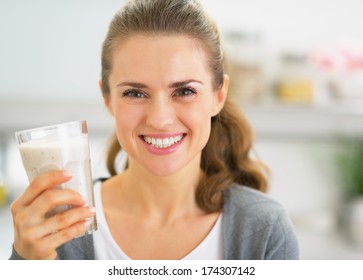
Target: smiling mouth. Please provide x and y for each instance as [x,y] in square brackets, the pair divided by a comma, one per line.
[162,143]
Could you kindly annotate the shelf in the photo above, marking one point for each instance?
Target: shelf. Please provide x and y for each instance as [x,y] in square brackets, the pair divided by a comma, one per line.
[276,120]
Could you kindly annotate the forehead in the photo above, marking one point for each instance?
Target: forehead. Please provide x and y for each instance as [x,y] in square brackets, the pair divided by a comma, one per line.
[164,41]
[146,54]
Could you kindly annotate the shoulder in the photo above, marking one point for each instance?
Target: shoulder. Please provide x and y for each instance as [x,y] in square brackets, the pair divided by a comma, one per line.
[250,203]
[256,226]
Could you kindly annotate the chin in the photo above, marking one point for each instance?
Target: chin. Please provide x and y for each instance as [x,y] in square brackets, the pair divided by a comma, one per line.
[164,170]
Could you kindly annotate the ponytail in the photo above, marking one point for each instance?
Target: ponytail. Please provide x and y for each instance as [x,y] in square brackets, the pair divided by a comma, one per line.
[113,150]
[226,159]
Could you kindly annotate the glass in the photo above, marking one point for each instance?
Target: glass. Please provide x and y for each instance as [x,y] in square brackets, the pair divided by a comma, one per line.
[60,147]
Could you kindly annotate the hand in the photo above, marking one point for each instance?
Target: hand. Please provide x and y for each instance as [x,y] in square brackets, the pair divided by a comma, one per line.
[37,236]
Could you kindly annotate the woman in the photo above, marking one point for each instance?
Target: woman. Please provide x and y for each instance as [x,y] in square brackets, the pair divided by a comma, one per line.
[190,189]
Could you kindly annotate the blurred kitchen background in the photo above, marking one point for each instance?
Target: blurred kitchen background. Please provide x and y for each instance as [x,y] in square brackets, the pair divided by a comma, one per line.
[297,72]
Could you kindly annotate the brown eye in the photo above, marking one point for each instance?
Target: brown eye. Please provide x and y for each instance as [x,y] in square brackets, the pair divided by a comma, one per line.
[184,92]
[133,93]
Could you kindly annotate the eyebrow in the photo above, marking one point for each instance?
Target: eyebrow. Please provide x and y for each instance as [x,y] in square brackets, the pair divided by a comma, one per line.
[184,83]
[172,85]
[132,84]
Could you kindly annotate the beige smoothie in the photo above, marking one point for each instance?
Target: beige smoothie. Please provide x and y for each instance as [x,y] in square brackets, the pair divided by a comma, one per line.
[70,153]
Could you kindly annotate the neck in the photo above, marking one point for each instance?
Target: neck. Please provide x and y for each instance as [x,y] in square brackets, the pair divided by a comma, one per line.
[164,197]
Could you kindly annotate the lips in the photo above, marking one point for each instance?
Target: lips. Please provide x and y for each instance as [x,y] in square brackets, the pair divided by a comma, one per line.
[162,141]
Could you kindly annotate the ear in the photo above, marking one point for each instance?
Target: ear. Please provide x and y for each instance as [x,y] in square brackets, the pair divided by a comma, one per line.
[106,98]
[221,96]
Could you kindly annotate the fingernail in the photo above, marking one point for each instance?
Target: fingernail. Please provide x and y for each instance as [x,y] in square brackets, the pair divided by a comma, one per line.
[87,222]
[67,174]
[84,200]
[92,209]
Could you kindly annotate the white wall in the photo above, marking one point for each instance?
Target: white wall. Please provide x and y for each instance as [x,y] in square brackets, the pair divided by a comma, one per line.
[52,48]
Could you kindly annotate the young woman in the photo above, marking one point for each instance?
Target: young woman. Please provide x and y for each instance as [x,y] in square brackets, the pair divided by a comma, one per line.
[190,189]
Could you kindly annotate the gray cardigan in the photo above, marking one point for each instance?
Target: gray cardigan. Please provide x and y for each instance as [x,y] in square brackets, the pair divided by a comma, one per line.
[255,227]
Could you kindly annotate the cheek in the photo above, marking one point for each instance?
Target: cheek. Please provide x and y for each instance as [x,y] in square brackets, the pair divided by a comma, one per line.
[126,119]
[199,122]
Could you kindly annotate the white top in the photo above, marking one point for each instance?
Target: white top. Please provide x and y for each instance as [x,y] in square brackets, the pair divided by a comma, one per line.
[106,248]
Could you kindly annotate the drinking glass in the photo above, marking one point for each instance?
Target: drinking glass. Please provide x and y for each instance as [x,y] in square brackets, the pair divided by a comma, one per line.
[60,147]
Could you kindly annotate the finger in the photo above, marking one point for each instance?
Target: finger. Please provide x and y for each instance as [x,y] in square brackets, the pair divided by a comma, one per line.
[35,213]
[49,179]
[43,182]
[65,219]
[50,199]
[31,248]
[58,238]
[34,243]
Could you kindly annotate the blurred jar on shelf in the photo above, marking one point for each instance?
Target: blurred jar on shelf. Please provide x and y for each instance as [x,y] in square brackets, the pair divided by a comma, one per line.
[2,195]
[348,80]
[295,83]
[3,192]
[344,69]
[244,57]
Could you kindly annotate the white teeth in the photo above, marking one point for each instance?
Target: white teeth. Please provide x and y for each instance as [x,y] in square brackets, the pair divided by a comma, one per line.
[159,142]
[162,143]
[165,142]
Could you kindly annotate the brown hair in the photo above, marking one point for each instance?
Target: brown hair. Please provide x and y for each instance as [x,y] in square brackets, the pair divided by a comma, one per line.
[226,157]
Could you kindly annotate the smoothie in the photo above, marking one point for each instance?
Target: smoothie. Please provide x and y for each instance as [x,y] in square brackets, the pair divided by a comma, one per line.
[70,153]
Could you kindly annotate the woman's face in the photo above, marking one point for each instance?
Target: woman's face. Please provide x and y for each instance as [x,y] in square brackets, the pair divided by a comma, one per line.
[162,99]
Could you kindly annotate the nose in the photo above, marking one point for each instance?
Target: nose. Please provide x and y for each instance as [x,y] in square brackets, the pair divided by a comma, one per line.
[160,114]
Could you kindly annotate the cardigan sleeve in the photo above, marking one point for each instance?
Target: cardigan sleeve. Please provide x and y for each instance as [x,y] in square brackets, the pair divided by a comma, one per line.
[256,227]
[282,243]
